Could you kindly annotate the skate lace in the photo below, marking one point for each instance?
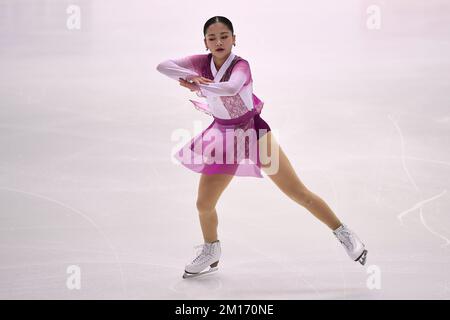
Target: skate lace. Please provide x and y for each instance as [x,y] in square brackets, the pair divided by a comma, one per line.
[345,237]
[201,253]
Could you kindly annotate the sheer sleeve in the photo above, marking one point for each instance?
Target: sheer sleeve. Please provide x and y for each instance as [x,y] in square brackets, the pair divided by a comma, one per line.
[240,76]
[185,67]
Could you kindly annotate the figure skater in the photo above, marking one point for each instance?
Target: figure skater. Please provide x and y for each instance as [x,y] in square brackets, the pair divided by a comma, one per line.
[237,133]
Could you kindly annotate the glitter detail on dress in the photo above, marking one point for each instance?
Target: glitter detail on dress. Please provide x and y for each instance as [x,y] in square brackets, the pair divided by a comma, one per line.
[234,105]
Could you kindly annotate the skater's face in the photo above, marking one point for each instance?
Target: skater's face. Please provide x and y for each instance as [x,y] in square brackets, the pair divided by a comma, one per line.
[218,36]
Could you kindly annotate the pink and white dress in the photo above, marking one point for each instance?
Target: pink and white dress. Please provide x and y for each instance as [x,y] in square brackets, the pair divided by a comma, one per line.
[229,145]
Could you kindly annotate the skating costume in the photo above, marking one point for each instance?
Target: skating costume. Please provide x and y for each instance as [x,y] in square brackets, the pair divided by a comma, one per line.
[229,145]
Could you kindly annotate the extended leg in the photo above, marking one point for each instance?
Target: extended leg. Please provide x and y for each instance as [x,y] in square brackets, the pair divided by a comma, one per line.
[286,179]
[288,182]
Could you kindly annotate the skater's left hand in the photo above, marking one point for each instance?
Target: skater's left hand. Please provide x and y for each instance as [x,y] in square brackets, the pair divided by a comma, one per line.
[190,85]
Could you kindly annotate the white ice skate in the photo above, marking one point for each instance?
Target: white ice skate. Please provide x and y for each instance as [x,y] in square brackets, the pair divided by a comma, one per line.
[209,256]
[353,245]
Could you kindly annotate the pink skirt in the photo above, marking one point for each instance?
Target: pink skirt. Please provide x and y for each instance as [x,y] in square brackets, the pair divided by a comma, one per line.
[227,146]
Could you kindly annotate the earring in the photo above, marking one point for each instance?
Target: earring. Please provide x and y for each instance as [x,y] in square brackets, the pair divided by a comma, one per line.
[206,49]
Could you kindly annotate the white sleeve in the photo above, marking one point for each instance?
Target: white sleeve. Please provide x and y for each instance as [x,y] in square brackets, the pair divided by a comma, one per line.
[240,76]
[225,88]
[177,68]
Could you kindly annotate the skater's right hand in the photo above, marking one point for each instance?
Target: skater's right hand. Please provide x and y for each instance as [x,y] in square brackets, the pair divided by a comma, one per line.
[190,85]
[200,80]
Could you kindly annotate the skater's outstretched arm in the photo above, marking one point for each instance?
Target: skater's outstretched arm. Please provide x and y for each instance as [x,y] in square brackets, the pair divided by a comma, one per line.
[185,67]
[239,77]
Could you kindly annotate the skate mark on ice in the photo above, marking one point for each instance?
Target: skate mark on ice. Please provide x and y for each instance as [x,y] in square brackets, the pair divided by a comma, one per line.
[402,157]
[276,261]
[410,178]
[394,157]
[85,217]
[422,219]
[77,135]
[138,263]
[205,282]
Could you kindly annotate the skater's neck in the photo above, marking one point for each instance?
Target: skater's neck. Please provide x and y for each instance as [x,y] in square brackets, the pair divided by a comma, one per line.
[219,61]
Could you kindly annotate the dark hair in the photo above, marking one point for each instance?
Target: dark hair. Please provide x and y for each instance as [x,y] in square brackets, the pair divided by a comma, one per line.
[215,19]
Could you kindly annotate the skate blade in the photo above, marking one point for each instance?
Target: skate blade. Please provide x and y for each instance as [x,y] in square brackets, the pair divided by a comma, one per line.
[363,257]
[187,275]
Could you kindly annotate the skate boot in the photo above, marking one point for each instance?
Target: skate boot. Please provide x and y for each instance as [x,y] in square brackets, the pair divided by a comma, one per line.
[207,257]
[353,245]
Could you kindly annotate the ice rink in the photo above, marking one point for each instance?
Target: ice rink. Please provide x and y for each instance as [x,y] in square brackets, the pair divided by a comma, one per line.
[358,94]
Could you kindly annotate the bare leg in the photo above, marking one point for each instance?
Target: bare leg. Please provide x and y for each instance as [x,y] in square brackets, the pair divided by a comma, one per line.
[209,190]
[286,179]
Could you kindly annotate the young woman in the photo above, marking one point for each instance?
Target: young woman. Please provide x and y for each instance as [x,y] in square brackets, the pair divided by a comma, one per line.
[237,133]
